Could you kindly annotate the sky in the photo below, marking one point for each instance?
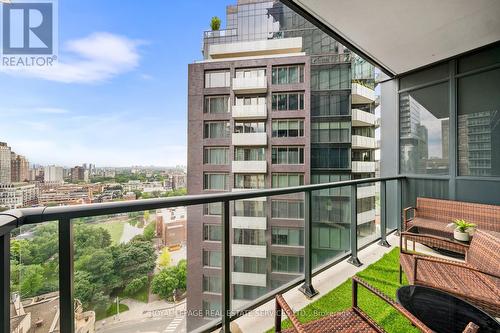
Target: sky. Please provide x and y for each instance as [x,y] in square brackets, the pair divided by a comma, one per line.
[119,94]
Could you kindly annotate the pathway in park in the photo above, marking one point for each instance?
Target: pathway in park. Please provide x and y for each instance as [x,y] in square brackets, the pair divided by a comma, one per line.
[129,232]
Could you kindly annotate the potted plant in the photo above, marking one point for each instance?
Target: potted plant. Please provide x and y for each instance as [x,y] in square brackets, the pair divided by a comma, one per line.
[463,230]
[215,26]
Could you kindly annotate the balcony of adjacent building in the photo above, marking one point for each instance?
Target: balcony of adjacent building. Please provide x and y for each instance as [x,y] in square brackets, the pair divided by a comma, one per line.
[362,118]
[362,94]
[251,81]
[363,142]
[363,166]
[251,111]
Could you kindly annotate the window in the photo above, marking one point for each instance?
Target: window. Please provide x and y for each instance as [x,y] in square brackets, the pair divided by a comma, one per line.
[331,103]
[287,179]
[365,204]
[212,284]
[324,157]
[288,128]
[214,208]
[215,79]
[250,154]
[249,181]
[249,237]
[287,264]
[216,130]
[479,124]
[287,101]
[250,208]
[250,127]
[211,308]
[247,292]
[364,131]
[287,155]
[250,72]
[287,236]
[326,238]
[250,100]
[337,77]
[216,181]
[216,155]
[249,265]
[212,258]
[322,178]
[331,132]
[216,104]
[288,74]
[424,130]
[285,209]
[212,232]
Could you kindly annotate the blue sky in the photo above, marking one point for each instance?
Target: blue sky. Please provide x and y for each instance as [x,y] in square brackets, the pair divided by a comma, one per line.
[119,96]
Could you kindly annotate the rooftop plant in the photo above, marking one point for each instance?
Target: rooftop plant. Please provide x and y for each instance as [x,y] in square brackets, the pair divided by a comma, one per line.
[215,23]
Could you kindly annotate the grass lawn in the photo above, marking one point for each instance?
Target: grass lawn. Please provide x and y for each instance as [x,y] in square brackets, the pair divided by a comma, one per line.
[384,275]
[110,311]
[115,229]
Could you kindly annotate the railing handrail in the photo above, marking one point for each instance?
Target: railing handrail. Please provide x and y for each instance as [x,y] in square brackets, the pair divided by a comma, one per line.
[17,217]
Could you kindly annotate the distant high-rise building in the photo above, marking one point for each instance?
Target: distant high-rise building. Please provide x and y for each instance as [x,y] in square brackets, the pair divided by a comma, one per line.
[53,174]
[19,166]
[5,165]
[79,174]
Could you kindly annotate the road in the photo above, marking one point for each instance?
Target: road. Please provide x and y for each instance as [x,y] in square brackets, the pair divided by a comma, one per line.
[147,325]
[129,232]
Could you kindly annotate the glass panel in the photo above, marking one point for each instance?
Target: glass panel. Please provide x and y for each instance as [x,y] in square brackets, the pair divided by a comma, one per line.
[431,74]
[424,130]
[479,124]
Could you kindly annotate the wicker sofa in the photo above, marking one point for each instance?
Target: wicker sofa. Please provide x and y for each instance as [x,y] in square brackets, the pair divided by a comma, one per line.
[477,280]
[353,320]
[436,214]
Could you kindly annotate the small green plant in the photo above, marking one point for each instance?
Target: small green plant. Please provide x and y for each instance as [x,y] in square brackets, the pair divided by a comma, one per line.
[215,23]
[462,225]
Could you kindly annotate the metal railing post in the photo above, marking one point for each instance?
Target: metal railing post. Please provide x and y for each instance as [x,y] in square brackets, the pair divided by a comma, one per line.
[226,281]
[399,202]
[354,227]
[383,216]
[66,305]
[307,288]
[5,283]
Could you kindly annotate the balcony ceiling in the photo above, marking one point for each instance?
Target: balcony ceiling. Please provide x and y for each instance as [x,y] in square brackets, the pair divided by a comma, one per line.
[402,35]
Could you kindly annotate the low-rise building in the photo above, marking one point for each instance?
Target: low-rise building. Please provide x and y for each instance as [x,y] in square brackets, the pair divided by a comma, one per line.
[40,314]
[171,225]
[18,195]
[67,194]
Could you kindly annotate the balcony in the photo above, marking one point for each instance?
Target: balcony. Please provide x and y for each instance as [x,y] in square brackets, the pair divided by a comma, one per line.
[362,118]
[249,222]
[247,112]
[366,217]
[264,47]
[363,142]
[363,167]
[249,279]
[250,85]
[250,251]
[249,139]
[366,191]
[249,167]
[362,94]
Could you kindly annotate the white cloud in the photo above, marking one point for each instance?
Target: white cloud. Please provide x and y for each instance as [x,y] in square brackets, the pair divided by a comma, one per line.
[95,58]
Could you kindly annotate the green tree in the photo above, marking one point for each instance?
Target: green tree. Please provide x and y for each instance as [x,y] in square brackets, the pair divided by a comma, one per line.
[20,251]
[182,274]
[135,285]
[165,258]
[100,265]
[31,281]
[89,238]
[134,259]
[165,282]
[149,231]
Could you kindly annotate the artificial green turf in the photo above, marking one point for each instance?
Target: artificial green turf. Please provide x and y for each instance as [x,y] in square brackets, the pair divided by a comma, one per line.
[384,275]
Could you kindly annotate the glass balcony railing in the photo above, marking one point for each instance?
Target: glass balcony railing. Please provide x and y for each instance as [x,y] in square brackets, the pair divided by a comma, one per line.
[245,270]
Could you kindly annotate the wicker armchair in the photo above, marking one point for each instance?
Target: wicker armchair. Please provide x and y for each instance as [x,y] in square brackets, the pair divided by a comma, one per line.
[352,320]
[477,280]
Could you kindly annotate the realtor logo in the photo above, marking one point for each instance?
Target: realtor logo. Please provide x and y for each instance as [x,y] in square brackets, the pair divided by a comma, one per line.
[28,33]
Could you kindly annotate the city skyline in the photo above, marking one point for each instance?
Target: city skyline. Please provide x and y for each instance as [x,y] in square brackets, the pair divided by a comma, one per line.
[130,68]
